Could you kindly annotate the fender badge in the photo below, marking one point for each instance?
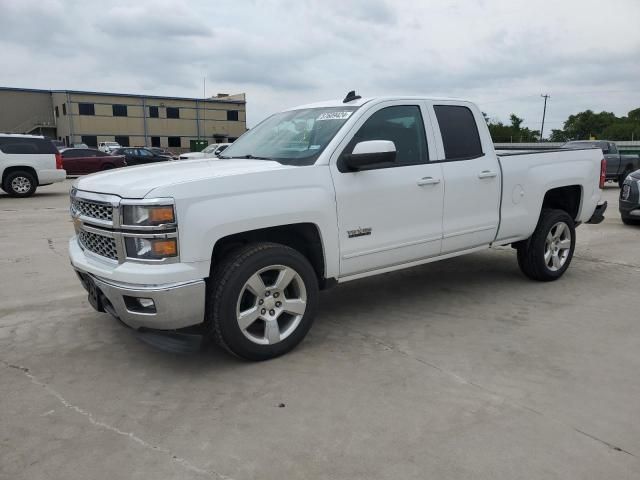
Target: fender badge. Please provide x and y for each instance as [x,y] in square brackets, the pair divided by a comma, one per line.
[359,232]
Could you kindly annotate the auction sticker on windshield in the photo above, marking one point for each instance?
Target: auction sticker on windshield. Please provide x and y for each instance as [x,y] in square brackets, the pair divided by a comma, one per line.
[333,116]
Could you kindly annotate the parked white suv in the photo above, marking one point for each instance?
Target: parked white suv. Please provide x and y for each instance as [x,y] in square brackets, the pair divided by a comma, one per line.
[27,162]
[211,151]
[108,147]
[313,196]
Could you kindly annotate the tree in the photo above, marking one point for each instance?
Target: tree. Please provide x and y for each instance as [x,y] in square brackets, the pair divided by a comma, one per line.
[558,135]
[587,124]
[515,121]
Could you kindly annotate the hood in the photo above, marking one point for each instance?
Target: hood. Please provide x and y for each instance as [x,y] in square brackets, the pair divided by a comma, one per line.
[137,182]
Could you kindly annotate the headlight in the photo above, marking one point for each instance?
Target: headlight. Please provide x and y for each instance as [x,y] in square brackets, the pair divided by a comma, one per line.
[151,248]
[148,215]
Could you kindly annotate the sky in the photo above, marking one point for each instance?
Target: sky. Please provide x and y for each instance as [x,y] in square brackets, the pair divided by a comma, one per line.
[500,54]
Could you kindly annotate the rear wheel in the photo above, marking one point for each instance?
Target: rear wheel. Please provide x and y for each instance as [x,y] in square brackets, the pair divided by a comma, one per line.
[546,255]
[20,184]
[262,301]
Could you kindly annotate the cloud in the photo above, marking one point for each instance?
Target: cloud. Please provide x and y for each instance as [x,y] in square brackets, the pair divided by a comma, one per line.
[502,54]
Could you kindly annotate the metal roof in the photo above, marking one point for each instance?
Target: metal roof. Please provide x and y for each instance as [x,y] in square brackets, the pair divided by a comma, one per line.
[130,95]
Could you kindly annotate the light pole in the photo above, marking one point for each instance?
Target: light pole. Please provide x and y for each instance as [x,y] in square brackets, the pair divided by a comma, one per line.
[544,112]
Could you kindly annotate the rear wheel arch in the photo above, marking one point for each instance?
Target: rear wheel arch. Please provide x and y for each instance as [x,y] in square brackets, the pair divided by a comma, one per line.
[567,198]
[19,168]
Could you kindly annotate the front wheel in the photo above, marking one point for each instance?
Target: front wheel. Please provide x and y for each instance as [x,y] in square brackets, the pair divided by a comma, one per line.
[546,255]
[261,301]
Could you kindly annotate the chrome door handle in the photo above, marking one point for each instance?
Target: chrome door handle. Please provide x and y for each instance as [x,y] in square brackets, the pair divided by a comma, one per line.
[428,181]
[487,174]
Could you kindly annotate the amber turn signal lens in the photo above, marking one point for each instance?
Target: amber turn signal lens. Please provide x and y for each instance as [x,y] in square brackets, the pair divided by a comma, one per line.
[165,248]
[161,215]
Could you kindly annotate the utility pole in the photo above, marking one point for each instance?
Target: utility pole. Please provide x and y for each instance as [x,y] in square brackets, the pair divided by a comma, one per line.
[544,112]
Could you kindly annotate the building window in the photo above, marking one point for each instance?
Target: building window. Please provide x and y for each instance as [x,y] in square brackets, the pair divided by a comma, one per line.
[86,109]
[174,141]
[89,140]
[66,141]
[57,112]
[119,110]
[153,112]
[232,115]
[122,140]
[173,112]
[155,141]
[64,108]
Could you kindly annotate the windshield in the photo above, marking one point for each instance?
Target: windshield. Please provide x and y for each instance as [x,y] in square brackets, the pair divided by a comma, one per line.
[296,137]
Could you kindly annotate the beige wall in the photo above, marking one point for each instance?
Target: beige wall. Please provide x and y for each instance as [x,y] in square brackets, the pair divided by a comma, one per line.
[204,118]
[22,110]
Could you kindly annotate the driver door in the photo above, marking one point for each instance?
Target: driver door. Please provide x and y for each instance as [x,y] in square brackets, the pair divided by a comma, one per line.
[390,214]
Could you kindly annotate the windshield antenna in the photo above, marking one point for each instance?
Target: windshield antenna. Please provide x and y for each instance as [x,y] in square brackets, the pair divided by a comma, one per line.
[351,96]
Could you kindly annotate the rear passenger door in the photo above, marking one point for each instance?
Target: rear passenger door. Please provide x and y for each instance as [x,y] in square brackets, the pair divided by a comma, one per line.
[472,178]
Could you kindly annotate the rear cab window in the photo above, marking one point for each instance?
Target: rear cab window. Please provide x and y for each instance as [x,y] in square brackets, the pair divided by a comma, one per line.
[27,146]
[460,136]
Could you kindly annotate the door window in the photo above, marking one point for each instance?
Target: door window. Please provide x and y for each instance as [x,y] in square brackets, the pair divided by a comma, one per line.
[402,125]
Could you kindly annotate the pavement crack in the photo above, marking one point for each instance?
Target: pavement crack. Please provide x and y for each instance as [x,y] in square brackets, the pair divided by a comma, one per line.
[607,262]
[498,396]
[105,426]
[604,442]
[52,247]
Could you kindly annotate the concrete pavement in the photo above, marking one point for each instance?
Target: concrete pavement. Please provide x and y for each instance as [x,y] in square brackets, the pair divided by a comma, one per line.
[458,369]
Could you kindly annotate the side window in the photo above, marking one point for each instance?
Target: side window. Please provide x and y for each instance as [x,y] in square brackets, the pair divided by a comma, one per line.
[401,125]
[145,153]
[459,132]
[26,145]
[613,148]
[86,109]
[73,153]
[90,140]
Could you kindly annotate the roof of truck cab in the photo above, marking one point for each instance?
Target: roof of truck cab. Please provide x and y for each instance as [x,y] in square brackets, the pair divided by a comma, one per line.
[361,101]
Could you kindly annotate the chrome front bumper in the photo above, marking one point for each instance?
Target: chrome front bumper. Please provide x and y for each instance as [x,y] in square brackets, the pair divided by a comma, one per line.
[176,305]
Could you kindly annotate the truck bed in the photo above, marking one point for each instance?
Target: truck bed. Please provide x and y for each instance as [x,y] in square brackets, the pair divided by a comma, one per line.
[526,176]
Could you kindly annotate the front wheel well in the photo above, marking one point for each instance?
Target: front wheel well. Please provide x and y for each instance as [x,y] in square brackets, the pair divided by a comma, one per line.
[303,237]
[564,198]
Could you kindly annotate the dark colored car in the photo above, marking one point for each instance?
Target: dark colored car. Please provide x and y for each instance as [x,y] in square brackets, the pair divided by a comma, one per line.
[162,151]
[618,165]
[630,199]
[79,161]
[140,156]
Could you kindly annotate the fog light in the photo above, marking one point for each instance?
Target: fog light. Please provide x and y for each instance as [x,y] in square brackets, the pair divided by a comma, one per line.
[147,303]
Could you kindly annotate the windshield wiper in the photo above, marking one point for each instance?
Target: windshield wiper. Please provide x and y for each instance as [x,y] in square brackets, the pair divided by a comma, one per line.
[248,156]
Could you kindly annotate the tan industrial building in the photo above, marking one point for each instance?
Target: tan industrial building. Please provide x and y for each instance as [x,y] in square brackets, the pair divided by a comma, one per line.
[131,120]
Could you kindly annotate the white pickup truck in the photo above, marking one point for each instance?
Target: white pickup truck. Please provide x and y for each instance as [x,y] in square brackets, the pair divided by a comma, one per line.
[237,248]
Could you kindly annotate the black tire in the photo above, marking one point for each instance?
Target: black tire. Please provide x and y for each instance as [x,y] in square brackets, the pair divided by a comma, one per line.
[623,177]
[20,183]
[630,221]
[531,253]
[226,291]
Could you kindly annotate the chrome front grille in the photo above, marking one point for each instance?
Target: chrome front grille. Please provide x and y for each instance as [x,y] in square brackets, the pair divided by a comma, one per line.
[98,244]
[99,211]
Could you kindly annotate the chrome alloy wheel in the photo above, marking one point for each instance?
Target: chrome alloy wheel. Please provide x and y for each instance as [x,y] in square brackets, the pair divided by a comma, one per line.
[271,304]
[21,184]
[557,246]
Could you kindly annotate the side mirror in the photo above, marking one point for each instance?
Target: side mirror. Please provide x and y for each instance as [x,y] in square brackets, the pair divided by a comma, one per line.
[371,153]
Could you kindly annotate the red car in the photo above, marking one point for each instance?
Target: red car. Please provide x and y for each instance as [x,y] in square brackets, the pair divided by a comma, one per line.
[78,161]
